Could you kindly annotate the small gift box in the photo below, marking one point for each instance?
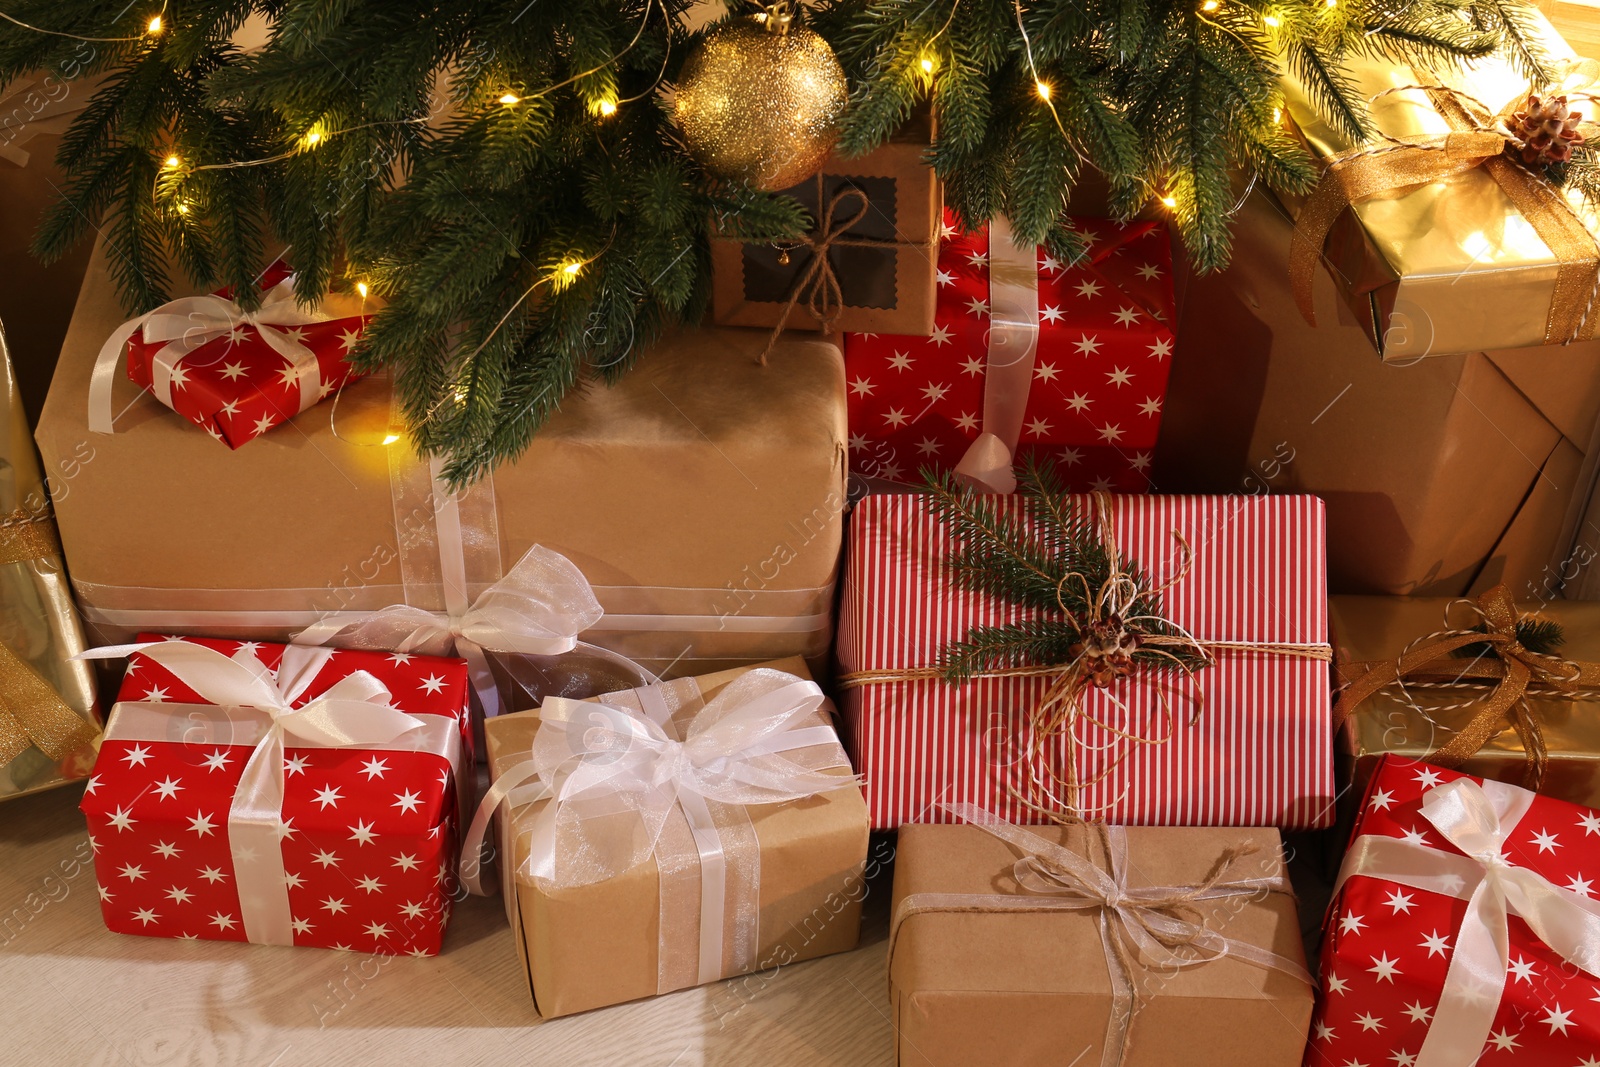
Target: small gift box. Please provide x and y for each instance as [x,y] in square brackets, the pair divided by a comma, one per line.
[1137,659]
[1477,686]
[866,265]
[672,835]
[1447,252]
[1463,925]
[1028,356]
[998,937]
[235,374]
[281,795]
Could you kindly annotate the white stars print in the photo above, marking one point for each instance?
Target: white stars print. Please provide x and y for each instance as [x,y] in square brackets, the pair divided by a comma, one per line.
[374,768]
[136,756]
[1088,345]
[167,788]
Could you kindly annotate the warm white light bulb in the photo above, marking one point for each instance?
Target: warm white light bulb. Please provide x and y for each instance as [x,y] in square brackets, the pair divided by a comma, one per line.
[173,162]
[361,287]
[607,107]
[1170,201]
[927,66]
[510,98]
[155,25]
[1043,89]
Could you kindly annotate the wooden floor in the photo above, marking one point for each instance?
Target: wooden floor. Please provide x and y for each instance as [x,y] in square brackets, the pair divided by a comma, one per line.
[75,994]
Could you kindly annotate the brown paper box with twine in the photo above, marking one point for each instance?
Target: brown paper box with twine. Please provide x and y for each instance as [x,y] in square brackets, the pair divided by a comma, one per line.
[702,488]
[1441,476]
[1032,989]
[1442,698]
[594,945]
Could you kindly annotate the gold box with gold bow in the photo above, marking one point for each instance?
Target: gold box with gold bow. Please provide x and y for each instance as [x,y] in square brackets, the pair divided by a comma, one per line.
[1441,240]
[1487,686]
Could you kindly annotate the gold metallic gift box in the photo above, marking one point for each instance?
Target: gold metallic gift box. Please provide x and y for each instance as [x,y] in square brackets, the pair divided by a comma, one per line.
[1445,268]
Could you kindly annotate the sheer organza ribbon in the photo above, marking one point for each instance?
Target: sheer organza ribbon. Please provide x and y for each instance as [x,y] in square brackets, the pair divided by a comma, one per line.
[185,324]
[249,704]
[538,608]
[1478,819]
[615,778]
[1142,928]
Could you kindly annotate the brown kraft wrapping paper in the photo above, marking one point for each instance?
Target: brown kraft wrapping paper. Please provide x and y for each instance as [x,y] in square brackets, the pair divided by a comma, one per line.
[1441,476]
[1032,989]
[594,945]
[701,497]
[1370,629]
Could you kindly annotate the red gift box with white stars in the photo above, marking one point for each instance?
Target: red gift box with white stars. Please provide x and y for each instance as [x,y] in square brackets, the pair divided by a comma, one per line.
[1099,375]
[236,387]
[1388,945]
[369,836]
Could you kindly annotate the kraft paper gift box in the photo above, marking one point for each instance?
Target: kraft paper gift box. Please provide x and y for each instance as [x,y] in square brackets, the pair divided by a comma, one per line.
[1449,690]
[1442,477]
[597,934]
[701,496]
[983,969]
[1460,262]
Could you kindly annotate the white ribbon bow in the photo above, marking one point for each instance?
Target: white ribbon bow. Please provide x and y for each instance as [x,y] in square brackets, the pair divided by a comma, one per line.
[1478,819]
[538,609]
[613,776]
[187,323]
[354,712]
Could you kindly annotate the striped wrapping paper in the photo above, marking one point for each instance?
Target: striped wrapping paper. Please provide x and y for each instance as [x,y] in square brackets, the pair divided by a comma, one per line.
[1260,752]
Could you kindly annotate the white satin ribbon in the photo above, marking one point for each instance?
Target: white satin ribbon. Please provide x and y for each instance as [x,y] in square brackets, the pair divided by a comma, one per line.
[1478,819]
[538,608]
[354,713]
[1008,377]
[613,775]
[189,322]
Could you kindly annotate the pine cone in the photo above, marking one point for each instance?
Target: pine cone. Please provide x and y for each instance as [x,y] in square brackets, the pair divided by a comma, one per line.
[1546,131]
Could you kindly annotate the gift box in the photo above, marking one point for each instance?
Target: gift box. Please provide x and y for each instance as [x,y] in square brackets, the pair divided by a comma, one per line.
[234,374]
[998,935]
[1244,741]
[654,873]
[875,220]
[1473,695]
[701,497]
[49,725]
[1456,252]
[1463,924]
[289,796]
[1029,356]
[1442,477]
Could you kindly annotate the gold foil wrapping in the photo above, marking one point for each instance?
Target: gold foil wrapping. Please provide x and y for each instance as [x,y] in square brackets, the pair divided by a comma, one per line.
[1453,266]
[47,713]
[1419,721]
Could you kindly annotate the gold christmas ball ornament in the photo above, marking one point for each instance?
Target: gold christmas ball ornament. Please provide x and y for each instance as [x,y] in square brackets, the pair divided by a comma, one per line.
[760,100]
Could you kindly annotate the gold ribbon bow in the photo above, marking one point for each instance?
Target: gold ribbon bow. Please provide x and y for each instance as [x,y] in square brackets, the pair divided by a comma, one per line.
[1477,139]
[1113,631]
[1515,671]
[817,284]
[32,713]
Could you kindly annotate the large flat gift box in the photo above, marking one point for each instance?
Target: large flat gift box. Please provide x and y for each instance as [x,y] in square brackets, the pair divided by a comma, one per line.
[1244,742]
[1442,476]
[701,496]
[352,846]
[589,941]
[981,970]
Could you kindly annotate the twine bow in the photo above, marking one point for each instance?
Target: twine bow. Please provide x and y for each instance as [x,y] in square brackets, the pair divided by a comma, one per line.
[1478,138]
[32,713]
[1142,928]
[1517,671]
[817,284]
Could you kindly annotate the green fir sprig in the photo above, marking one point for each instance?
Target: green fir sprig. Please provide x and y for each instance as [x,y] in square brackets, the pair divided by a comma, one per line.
[1543,637]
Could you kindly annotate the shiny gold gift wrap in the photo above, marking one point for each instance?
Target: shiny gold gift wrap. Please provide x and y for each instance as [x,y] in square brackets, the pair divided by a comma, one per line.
[1368,629]
[48,729]
[1450,267]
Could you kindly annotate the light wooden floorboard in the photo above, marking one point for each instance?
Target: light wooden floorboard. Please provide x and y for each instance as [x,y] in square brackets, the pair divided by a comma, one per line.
[76,994]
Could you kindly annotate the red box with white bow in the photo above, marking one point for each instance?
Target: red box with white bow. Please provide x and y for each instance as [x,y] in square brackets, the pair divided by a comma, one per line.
[1088,396]
[236,376]
[282,795]
[1463,928]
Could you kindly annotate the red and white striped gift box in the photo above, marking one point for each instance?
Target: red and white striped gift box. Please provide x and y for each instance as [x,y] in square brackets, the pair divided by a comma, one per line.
[1259,753]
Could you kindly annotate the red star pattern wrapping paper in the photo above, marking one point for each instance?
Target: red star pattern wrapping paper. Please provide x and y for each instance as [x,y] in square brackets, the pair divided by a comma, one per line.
[1260,751]
[372,839]
[236,387]
[1099,376]
[1387,947]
